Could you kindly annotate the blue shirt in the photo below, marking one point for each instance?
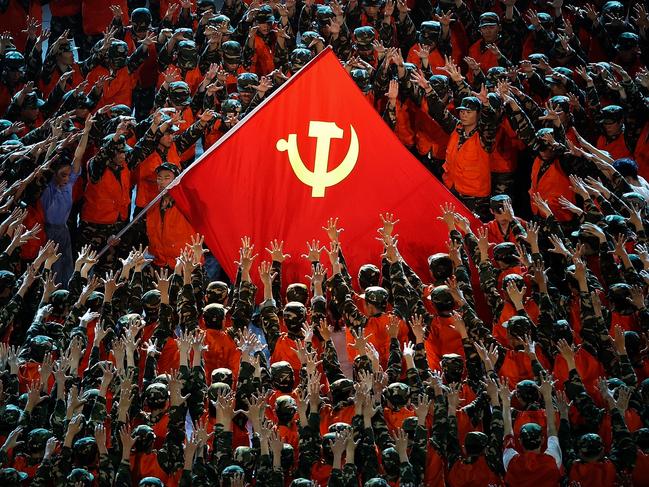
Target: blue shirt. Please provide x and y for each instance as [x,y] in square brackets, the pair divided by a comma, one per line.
[57,202]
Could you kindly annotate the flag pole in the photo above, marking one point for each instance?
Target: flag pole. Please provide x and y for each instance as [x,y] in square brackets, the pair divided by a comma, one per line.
[213,147]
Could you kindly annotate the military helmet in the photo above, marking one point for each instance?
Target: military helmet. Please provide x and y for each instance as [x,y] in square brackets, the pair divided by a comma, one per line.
[327,441]
[441,266]
[364,37]
[247,83]
[398,394]
[377,296]
[531,436]
[222,23]
[391,462]
[299,57]
[377,482]
[409,425]
[309,36]
[561,102]
[231,471]
[302,482]
[429,32]
[627,41]
[613,7]
[151,300]
[141,19]
[452,365]
[368,276]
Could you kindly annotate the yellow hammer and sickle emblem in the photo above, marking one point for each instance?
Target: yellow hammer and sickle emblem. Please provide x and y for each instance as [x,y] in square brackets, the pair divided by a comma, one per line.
[320,178]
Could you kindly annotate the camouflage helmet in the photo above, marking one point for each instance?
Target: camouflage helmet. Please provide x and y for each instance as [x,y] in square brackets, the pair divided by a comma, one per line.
[187,54]
[376,482]
[368,276]
[507,253]
[36,439]
[85,450]
[527,391]
[151,301]
[9,417]
[7,280]
[265,15]
[294,314]
[285,408]
[619,295]
[80,475]
[324,14]
[327,441]
[245,457]
[339,427]
[14,61]
[222,23]
[377,296]
[364,37]
[10,477]
[217,389]
[341,390]
[247,83]
[561,102]
[309,36]
[150,482]
[222,374]
[362,79]
[230,472]
[495,74]
[429,32]
[39,346]
[409,426]
[282,376]
[156,395]
[390,461]
[214,314]
[475,442]
[514,278]
[299,57]
[118,53]
[144,437]
[453,366]
[611,114]
[442,298]
[141,19]
[227,107]
[398,394]
[518,326]
[440,84]
[231,52]
[297,292]
[441,266]
[590,446]
[179,93]
[302,482]
[531,436]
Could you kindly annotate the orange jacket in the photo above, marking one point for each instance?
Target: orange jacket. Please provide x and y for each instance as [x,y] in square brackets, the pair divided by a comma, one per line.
[71,83]
[394,419]
[641,154]
[429,136]
[221,352]
[35,214]
[529,469]
[517,365]
[597,474]
[213,134]
[507,147]
[168,233]
[468,168]
[508,311]
[486,59]
[118,90]
[403,126]
[146,178]
[377,327]
[147,73]
[435,469]
[262,60]
[108,200]
[617,148]
[146,465]
[640,477]
[442,339]
[472,474]
[192,77]
[97,16]
[435,60]
[552,184]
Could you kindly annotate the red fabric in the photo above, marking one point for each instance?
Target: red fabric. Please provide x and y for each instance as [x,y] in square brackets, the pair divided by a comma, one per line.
[35,214]
[495,234]
[640,477]
[14,20]
[71,83]
[281,206]
[222,352]
[435,469]
[65,8]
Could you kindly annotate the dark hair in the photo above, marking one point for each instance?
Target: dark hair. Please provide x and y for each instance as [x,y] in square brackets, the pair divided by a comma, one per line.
[627,167]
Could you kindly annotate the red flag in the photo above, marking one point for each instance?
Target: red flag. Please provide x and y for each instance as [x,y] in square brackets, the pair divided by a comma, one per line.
[315,149]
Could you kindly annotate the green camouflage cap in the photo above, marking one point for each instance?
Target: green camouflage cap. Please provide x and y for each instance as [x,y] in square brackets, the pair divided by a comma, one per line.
[475,442]
[611,114]
[10,477]
[141,19]
[247,82]
[390,461]
[517,279]
[218,291]
[156,395]
[441,85]
[471,103]
[409,426]
[229,106]
[368,276]
[339,427]
[32,101]
[81,475]
[518,326]
[376,482]
[619,294]
[488,19]
[7,279]
[231,52]
[126,319]
[85,450]
[299,57]
[118,53]
[362,362]
[301,482]
[151,300]
[285,408]
[265,15]
[297,292]
[9,417]
[309,36]
[641,437]
[37,438]
[531,436]
[39,346]
[327,440]
[527,391]
[364,36]
[441,266]
[179,93]
[245,457]
[341,390]
[362,79]
[294,314]
[442,298]
[14,61]
[452,366]
[282,376]
[150,482]
[222,23]
[377,296]
[398,394]
[231,471]
[217,388]
[287,456]
[144,437]
[429,32]
[506,252]
[222,374]
[324,14]
[590,446]
[214,314]
[494,75]
[187,54]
